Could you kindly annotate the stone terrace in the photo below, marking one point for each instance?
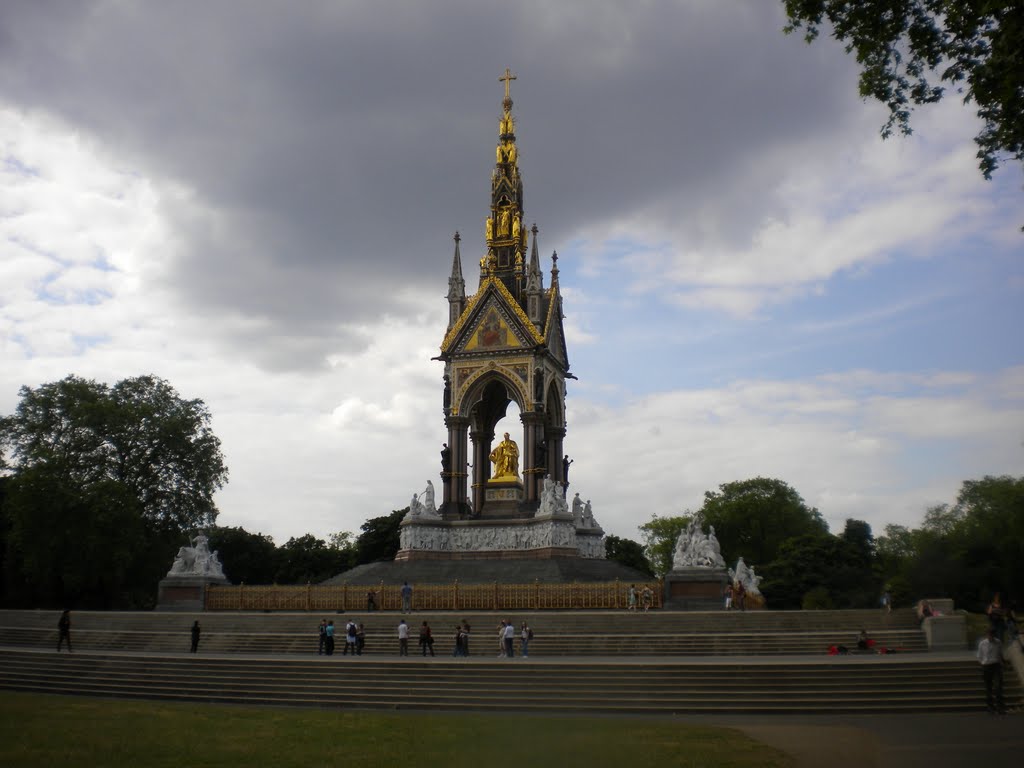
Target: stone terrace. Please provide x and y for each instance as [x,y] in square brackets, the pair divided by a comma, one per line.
[612,661]
[556,633]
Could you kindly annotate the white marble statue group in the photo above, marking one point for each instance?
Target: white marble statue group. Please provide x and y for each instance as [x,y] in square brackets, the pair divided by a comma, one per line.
[422,504]
[552,502]
[197,560]
[696,549]
[582,513]
[744,574]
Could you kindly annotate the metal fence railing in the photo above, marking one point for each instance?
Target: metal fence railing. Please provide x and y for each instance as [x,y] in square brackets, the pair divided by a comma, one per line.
[429,597]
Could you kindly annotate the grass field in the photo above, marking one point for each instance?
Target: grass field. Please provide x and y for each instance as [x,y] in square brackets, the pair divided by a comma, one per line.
[40,730]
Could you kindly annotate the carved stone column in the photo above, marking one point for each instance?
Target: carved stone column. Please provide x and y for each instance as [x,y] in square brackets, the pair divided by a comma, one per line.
[556,437]
[534,464]
[455,504]
[481,466]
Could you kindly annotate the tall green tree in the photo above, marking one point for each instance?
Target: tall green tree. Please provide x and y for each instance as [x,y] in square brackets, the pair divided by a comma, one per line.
[659,535]
[628,552]
[307,559]
[380,538]
[988,538]
[104,483]
[752,518]
[248,558]
[912,52]
[139,433]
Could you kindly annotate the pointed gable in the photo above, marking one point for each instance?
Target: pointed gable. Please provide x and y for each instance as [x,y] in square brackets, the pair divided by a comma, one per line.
[492,321]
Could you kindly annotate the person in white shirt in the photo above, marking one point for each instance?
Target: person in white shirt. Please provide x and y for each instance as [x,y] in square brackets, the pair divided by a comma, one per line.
[510,634]
[990,656]
[403,638]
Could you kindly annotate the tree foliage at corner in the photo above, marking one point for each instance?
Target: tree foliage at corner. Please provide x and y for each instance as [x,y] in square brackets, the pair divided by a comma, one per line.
[911,51]
[752,518]
[659,535]
[139,433]
[380,538]
[105,481]
[627,552]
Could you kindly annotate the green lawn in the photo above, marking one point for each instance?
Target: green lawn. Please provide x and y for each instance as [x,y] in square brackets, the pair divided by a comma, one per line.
[65,731]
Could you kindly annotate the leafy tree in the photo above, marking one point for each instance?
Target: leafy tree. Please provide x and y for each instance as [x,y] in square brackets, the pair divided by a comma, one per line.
[249,558]
[138,433]
[803,563]
[910,51]
[752,518]
[628,552]
[380,537]
[660,535]
[820,570]
[989,535]
[104,482]
[308,559]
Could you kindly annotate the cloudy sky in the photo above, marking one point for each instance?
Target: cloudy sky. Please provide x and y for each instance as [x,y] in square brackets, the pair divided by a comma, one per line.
[256,201]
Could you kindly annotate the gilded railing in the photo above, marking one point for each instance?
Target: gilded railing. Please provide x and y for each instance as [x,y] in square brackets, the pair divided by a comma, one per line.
[429,597]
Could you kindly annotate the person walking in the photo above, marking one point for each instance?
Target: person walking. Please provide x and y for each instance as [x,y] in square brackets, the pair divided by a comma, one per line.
[195,636]
[990,656]
[997,616]
[525,636]
[510,634]
[457,650]
[406,598]
[64,630]
[426,639]
[350,638]
[728,597]
[465,638]
[403,638]
[329,638]
[501,640]
[323,637]
[360,640]
[631,599]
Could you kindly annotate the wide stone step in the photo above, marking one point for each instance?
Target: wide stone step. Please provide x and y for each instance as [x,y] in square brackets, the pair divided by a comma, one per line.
[849,685]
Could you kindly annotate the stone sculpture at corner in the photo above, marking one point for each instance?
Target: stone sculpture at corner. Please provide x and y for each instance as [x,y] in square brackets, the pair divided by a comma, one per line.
[422,504]
[195,568]
[744,574]
[197,560]
[695,549]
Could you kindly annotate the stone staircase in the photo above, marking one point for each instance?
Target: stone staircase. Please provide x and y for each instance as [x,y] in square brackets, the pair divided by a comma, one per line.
[864,684]
[585,662]
[556,633]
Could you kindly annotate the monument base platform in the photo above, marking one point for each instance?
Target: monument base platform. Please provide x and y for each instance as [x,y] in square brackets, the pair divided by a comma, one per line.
[695,589]
[543,536]
[502,500]
[184,593]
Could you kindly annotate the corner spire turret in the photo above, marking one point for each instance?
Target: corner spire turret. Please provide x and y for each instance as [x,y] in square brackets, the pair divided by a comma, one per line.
[535,285]
[456,287]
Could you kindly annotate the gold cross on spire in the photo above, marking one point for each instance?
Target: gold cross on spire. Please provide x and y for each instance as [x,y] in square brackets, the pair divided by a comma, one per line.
[507,80]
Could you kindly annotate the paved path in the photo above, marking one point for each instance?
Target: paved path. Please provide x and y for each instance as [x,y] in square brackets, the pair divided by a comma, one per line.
[892,741]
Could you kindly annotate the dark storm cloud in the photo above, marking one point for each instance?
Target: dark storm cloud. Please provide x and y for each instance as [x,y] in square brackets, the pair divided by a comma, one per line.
[332,149]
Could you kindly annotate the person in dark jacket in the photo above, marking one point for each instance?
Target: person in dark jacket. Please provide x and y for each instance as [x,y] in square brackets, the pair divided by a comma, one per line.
[195,636]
